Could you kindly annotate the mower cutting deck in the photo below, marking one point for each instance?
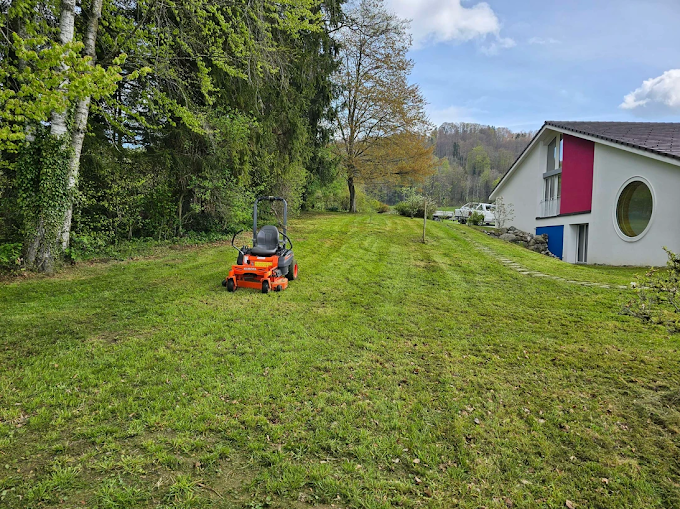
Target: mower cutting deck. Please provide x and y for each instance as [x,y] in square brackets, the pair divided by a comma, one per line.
[269,264]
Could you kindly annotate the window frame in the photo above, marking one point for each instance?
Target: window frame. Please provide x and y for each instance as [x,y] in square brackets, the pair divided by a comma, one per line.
[552,152]
[615,220]
[560,151]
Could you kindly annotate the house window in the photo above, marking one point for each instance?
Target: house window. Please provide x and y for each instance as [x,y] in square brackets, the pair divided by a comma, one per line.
[634,209]
[552,191]
[552,152]
[552,179]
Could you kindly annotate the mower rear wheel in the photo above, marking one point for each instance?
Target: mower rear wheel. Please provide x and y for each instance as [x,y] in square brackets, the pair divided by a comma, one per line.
[265,286]
[224,282]
[292,271]
[230,285]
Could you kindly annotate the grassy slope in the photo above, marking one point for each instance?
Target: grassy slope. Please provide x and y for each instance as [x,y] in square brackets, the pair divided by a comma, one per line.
[541,263]
[390,373]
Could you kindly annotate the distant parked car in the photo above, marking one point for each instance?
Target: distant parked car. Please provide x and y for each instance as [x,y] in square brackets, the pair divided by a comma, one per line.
[488,210]
[461,215]
[440,215]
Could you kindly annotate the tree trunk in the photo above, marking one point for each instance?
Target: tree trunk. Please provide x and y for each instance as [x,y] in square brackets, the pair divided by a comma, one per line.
[66,29]
[80,122]
[179,214]
[39,252]
[352,195]
[40,245]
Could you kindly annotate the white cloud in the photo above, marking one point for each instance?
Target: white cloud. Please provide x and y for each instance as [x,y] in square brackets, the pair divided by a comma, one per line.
[656,96]
[500,43]
[543,41]
[435,21]
[452,114]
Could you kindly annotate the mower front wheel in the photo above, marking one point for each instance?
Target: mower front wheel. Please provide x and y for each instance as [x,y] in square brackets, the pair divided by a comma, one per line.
[292,271]
[231,287]
[265,286]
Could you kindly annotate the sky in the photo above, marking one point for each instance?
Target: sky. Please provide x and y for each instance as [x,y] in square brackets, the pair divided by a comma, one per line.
[518,63]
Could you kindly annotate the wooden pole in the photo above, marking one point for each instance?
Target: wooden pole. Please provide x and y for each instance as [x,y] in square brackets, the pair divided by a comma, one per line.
[424,219]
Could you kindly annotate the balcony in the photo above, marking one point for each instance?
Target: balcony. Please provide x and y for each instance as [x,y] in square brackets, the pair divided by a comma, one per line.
[550,208]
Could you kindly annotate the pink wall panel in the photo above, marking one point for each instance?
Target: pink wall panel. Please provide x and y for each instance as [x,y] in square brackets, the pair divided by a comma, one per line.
[577,175]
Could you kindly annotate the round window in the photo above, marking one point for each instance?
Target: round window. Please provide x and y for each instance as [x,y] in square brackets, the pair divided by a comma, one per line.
[634,209]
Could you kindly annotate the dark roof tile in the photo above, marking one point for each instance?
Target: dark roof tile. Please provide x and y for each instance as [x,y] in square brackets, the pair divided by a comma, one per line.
[657,137]
[662,138]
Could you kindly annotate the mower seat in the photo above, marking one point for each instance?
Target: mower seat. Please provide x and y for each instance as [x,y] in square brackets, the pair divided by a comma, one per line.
[267,241]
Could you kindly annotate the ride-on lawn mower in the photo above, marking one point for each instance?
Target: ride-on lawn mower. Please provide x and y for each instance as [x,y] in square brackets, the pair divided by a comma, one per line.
[269,264]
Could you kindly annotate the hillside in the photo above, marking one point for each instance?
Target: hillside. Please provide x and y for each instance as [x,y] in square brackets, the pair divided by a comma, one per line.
[475,157]
[391,373]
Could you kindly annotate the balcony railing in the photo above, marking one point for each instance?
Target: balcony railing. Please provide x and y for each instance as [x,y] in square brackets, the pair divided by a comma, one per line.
[550,208]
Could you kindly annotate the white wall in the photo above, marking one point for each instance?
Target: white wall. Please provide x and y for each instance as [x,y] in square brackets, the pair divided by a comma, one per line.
[613,168]
[524,188]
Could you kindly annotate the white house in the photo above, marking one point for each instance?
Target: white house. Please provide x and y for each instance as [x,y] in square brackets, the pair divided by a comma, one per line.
[604,192]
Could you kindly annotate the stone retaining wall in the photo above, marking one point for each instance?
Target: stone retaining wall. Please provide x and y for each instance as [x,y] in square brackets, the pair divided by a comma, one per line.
[537,243]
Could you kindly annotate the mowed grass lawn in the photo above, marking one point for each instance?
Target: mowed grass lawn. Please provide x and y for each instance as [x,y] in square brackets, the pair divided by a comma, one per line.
[391,374]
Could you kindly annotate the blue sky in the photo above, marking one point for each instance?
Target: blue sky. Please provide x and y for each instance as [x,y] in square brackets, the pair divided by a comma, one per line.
[517,63]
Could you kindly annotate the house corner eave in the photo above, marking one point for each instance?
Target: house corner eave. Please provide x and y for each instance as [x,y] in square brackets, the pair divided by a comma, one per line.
[518,161]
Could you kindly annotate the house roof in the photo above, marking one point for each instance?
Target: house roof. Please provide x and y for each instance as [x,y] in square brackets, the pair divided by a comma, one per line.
[660,138]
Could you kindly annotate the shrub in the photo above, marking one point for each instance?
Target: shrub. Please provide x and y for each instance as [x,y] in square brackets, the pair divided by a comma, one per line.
[88,244]
[657,298]
[383,208]
[414,206]
[10,256]
[476,218]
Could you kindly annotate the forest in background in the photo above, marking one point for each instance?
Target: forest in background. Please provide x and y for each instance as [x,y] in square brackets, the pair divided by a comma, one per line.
[471,159]
[195,108]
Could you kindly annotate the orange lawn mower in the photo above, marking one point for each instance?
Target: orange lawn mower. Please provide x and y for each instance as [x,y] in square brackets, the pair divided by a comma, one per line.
[269,264]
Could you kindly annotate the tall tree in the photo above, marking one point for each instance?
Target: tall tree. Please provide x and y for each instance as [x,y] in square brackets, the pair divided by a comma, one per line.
[381,121]
[174,61]
[43,72]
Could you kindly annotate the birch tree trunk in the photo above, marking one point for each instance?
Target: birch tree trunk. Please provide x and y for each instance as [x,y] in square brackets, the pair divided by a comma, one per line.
[80,122]
[67,23]
[40,249]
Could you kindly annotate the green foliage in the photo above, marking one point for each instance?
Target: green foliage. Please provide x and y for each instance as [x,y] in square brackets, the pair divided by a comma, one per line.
[657,300]
[197,107]
[478,161]
[476,156]
[383,208]
[331,197]
[95,246]
[364,203]
[476,218]
[42,195]
[414,205]
[43,76]
[10,256]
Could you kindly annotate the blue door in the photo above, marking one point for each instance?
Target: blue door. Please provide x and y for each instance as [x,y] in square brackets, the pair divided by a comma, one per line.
[555,238]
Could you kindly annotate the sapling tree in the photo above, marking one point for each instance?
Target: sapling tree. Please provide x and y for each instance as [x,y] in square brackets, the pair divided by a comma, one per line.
[504,212]
[657,299]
